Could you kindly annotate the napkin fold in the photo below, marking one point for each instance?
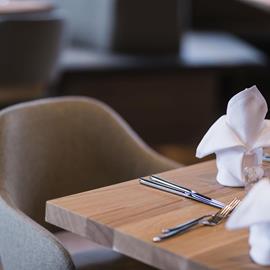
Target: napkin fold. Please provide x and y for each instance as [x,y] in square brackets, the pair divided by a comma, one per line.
[237,138]
[253,212]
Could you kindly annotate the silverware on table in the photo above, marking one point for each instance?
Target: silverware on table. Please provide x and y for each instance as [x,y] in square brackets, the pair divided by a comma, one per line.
[206,220]
[164,185]
[266,157]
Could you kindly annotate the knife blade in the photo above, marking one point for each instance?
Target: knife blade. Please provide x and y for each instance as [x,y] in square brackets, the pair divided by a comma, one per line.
[184,193]
[190,191]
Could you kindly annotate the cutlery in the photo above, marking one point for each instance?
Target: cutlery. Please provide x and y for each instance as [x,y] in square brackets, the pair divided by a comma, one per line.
[206,220]
[164,185]
[190,191]
[266,157]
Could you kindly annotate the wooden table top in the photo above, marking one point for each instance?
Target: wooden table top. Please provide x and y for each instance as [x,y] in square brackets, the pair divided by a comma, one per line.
[126,216]
[19,7]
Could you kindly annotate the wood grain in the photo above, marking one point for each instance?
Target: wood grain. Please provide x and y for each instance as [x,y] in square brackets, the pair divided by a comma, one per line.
[126,216]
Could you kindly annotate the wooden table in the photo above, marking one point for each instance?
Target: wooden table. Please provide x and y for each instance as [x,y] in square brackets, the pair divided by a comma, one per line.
[126,216]
[19,7]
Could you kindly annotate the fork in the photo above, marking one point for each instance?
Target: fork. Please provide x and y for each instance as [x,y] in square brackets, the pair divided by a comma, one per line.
[206,220]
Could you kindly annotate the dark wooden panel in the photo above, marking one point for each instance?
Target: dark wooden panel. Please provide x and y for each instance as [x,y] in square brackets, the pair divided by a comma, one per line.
[230,15]
[160,106]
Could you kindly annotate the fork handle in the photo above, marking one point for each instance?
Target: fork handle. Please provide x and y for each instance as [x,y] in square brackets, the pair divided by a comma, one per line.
[187,224]
[180,229]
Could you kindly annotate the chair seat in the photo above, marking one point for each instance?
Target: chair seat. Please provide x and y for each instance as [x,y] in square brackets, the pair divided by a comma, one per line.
[88,255]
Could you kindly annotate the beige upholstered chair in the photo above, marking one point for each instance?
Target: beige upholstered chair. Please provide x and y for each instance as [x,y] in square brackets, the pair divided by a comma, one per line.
[55,147]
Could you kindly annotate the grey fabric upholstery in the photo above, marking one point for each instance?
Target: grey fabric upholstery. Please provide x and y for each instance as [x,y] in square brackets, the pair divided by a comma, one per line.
[26,245]
[55,147]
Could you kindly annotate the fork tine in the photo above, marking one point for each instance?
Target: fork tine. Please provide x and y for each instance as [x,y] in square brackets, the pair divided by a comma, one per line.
[230,206]
[221,211]
[220,215]
[235,204]
[223,214]
[226,208]
[231,203]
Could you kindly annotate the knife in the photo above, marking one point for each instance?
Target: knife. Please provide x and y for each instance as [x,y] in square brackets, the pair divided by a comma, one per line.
[192,192]
[164,185]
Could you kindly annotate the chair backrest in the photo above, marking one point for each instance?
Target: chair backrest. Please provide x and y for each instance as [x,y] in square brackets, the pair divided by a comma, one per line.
[25,245]
[59,146]
[55,147]
[29,47]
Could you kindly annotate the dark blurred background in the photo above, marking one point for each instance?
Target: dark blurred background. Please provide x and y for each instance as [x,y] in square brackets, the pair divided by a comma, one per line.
[167,67]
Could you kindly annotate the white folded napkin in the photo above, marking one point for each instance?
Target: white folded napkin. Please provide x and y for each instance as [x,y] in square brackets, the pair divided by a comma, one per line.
[237,138]
[253,212]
